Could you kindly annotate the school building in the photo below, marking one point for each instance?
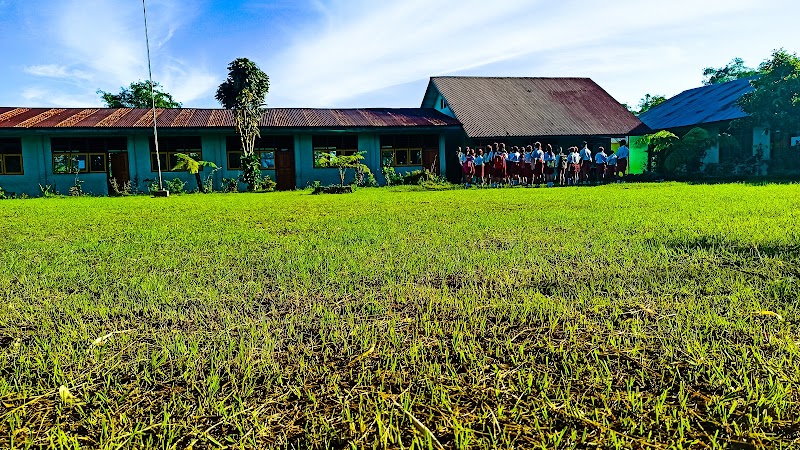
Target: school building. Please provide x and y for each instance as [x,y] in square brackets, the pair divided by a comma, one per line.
[714,108]
[47,146]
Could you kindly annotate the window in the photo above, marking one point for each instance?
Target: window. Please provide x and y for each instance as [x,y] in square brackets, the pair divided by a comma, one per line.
[10,157]
[168,149]
[265,148]
[84,155]
[406,149]
[339,144]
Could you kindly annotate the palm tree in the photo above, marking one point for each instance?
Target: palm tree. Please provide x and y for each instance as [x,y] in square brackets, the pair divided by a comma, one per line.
[194,167]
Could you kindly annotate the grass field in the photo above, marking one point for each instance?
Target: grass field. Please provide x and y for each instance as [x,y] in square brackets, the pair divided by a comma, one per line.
[624,316]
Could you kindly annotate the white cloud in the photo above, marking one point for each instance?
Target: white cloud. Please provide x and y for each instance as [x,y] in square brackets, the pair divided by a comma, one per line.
[57,71]
[47,97]
[101,44]
[360,46]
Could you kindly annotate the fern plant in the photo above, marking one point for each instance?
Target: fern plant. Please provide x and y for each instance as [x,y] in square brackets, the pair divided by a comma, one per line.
[194,167]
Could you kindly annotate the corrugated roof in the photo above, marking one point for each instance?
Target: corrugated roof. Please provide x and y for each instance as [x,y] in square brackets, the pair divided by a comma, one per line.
[37,118]
[707,104]
[498,107]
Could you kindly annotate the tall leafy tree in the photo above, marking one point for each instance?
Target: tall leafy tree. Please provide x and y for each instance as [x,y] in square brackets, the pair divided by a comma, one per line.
[734,70]
[245,92]
[775,100]
[137,95]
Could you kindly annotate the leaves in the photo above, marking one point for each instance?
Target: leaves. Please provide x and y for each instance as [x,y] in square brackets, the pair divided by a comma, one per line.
[138,95]
[775,100]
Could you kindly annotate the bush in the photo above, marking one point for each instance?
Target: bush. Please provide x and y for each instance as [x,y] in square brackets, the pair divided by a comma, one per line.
[415,177]
[230,185]
[176,186]
[266,184]
[364,177]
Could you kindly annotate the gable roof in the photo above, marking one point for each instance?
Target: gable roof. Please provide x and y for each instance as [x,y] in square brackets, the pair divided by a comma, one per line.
[490,107]
[706,104]
[109,118]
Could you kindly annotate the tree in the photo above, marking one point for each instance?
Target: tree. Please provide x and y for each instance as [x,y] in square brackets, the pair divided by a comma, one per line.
[650,101]
[775,100]
[137,95]
[734,70]
[194,167]
[341,162]
[672,155]
[245,92]
[647,102]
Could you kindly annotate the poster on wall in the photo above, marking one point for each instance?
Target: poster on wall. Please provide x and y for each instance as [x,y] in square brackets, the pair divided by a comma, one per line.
[796,141]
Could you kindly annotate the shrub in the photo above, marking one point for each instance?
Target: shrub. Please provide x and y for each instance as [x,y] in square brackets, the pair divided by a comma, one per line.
[230,185]
[176,186]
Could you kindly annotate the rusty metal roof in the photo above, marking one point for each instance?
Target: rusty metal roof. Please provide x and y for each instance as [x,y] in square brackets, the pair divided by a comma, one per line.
[707,104]
[39,118]
[490,107]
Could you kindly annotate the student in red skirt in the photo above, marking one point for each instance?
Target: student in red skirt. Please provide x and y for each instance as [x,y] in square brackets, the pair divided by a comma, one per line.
[499,169]
[469,167]
[527,168]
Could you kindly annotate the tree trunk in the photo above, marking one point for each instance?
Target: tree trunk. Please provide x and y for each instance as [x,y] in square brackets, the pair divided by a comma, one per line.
[200,186]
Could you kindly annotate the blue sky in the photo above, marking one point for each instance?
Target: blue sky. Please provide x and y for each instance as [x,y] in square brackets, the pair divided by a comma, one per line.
[355,53]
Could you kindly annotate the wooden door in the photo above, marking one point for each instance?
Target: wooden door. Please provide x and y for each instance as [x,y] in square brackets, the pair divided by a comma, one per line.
[119,169]
[284,170]
[430,158]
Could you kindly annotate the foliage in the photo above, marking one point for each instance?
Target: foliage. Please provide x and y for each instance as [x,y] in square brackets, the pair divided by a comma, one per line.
[342,163]
[734,70]
[775,101]
[676,156]
[3,195]
[76,190]
[138,95]
[304,319]
[266,184]
[414,177]
[391,176]
[245,92]
[176,186]
[686,154]
[124,190]
[364,177]
[648,102]
[230,185]
[194,167]
[47,190]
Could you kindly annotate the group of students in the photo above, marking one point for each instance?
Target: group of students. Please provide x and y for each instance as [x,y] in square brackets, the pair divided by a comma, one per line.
[536,166]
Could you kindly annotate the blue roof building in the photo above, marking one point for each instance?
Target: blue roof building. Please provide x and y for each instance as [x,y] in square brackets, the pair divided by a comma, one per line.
[713,108]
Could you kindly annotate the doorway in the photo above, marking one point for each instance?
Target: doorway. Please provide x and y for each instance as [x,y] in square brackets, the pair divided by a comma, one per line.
[284,169]
[119,170]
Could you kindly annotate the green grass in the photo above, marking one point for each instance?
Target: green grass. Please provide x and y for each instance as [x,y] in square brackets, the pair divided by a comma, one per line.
[645,316]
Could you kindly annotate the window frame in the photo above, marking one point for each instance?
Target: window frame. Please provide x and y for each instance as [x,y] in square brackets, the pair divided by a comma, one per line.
[11,148]
[263,145]
[169,147]
[75,148]
[332,143]
[407,144]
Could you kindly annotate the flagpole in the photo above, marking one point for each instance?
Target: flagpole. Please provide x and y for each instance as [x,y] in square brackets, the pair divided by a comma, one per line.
[152,97]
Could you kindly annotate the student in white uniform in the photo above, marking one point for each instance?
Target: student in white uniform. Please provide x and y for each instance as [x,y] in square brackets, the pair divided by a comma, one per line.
[586,162]
[623,153]
[600,165]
